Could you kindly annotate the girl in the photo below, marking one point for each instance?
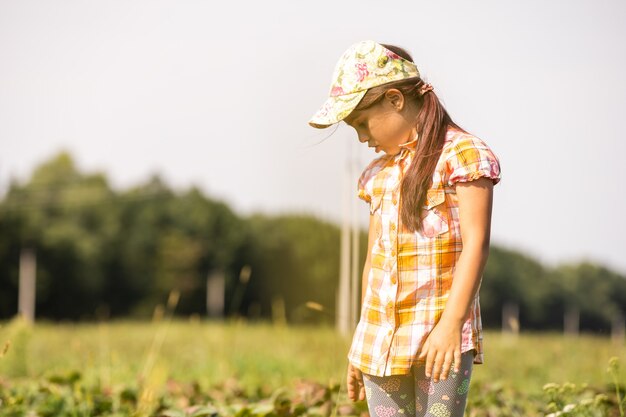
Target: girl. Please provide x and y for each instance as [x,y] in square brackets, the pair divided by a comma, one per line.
[430,199]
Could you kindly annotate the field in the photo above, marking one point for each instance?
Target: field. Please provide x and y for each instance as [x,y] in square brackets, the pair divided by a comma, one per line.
[172,367]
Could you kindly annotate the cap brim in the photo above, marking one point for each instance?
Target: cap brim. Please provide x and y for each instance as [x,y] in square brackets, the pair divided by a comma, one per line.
[335,109]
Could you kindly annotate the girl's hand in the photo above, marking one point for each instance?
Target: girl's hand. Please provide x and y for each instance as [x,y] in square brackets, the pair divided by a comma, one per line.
[356,389]
[442,346]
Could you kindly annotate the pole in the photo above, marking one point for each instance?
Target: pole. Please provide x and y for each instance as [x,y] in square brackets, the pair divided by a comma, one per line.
[343,299]
[355,299]
[26,297]
[215,286]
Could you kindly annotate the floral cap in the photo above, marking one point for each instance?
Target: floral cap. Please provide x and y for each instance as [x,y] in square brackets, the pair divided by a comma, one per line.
[364,65]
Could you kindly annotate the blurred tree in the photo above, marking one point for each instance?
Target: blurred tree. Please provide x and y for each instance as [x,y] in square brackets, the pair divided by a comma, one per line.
[295,257]
[102,253]
[588,289]
[66,217]
[510,276]
[171,242]
[10,246]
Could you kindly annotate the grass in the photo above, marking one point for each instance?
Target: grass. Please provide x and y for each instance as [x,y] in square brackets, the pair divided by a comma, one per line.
[262,356]
[256,354]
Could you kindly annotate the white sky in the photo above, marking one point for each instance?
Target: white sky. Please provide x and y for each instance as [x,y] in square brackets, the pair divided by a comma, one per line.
[218,94]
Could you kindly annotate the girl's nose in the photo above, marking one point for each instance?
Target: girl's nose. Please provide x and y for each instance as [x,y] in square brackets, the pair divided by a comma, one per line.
[362,138]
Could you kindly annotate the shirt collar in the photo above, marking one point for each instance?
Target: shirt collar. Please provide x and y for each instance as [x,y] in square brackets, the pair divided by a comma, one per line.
[412,144]
[410,147]
[406,148]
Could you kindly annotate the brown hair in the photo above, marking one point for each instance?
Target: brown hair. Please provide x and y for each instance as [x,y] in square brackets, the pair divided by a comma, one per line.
[432,122]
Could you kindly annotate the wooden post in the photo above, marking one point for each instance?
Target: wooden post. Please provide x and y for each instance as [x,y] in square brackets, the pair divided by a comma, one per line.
[510,318]
[215,284]
[354,264]
[342,319]
[571,321]
[26,297]
[279,318]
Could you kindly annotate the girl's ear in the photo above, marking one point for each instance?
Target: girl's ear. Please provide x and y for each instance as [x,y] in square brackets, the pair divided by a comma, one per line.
[395,97]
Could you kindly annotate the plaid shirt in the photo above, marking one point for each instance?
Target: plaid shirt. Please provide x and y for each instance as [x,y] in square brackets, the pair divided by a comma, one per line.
[411,273]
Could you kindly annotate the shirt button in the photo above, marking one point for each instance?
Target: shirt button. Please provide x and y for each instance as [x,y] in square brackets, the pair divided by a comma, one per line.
[394,200]
[392,227]
[393,279]
[393,252]
[390,332]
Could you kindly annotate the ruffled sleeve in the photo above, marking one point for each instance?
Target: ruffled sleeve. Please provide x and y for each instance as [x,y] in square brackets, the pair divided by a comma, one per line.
[362,188]
[365,184]
[469,159]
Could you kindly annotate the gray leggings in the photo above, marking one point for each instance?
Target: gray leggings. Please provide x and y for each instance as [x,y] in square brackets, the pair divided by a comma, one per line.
[414,395]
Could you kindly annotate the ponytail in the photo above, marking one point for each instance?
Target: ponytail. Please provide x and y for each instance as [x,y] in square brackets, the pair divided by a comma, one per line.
[432,123]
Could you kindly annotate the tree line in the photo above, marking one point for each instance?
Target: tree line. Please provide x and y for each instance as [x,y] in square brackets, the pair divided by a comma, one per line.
[102,253]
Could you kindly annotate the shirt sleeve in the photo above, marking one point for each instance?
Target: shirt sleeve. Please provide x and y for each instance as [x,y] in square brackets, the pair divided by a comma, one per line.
[365,184]
[470,159]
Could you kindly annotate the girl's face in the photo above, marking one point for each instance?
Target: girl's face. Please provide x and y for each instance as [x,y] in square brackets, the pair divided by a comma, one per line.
[386,124]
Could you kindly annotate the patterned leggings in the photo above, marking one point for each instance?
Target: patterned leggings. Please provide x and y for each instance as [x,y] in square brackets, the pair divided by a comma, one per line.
[414,395]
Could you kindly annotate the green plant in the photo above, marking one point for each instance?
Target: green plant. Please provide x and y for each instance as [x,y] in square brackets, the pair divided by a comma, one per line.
[18,334]
[569,399]
[613,370]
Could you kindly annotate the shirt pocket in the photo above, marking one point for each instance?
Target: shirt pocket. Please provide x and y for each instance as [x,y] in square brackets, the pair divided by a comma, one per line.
[434,219]
[375,202]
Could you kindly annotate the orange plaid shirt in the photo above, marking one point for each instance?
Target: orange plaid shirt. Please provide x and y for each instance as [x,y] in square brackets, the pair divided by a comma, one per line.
[411,273]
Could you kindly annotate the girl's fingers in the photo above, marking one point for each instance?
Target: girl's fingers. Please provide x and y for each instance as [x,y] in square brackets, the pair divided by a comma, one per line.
[355,391]
[430,358]
[352,386]
[361,385]
[437,365]
[356,388]
[446,365]
[457,360]
[350,391]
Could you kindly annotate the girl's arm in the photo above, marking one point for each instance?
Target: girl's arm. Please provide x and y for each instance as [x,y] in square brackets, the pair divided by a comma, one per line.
[356,388]
[444,343]
[371,237]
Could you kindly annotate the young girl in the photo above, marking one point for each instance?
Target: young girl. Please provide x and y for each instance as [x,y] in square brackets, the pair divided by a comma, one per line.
[430,199]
